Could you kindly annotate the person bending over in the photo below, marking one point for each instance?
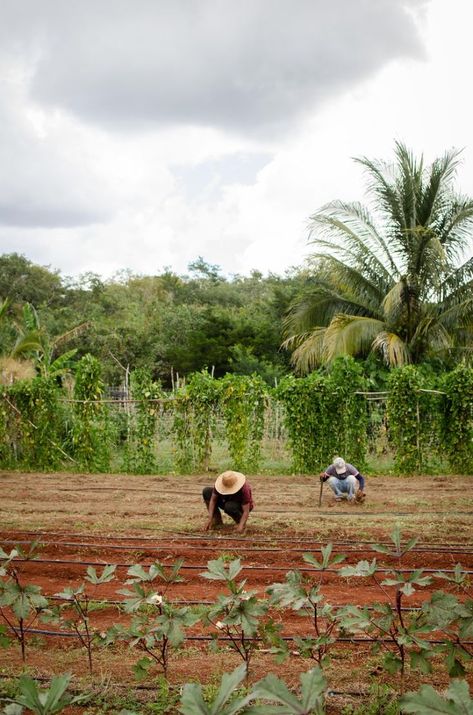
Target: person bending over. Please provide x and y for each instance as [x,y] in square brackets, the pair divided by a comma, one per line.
[345,480]
[231,494]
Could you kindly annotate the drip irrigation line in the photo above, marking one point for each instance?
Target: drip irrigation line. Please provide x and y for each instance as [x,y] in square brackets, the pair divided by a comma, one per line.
[184,602]
[255,549]
[175,535]
[153,688]
[202,567]
[255,639]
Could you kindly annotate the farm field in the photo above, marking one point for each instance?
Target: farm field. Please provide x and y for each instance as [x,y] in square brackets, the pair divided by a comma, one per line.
[86,520]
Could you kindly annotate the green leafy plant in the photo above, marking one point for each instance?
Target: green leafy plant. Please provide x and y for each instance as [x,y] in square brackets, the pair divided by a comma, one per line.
[303,596]
[75,613]
[274,690]
[398,634]
[236,615]
[46,701]
[225,702]
[415,413]
[278,699]
[444,613]
[158,626]
[203,394]
[20,603]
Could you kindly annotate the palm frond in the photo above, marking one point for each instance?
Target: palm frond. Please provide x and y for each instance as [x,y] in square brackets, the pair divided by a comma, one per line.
[352,223]
[392,347]
[393,302]
[350,335]
[309,353]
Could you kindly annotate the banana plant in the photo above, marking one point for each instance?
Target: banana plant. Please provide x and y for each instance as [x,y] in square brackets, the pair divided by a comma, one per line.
[235,616]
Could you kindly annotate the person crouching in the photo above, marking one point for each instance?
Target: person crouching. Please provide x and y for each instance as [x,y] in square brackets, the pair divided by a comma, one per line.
[231,494]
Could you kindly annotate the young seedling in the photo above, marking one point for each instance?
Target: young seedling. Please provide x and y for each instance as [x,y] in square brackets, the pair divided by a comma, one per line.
[274,690]
[386,624]
[299,593]
[20,604]
[43,701]
[75,613]
[278,699]
[236,615]
[158,627]
[225,701]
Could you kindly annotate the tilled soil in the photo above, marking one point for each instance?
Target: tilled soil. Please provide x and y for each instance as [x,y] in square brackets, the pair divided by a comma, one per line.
[94,520]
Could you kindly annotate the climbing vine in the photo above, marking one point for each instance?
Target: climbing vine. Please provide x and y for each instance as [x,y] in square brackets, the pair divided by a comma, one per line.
[140,453]
[203,395]
[414,411]
[32,418]
[325,416]
[458,418]
[90,433]
[242,400]
[348,408]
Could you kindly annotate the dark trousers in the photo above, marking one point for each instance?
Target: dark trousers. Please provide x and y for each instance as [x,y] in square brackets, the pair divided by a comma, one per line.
[226,504]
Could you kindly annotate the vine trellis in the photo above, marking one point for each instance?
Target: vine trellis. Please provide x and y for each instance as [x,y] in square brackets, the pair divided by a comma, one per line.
[428,420]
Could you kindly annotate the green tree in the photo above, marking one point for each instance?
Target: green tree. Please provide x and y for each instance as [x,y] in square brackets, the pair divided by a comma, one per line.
[395,284]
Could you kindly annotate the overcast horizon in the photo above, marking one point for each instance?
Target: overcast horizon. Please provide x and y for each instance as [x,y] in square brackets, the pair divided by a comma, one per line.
[141,136]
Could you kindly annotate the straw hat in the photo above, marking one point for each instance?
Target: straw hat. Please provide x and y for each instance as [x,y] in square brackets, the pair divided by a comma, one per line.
[340,465]
[229,482]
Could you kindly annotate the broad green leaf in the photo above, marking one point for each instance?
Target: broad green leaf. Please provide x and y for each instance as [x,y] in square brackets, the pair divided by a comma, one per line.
[107,574]
[392,663]
[427,701]
[362,569]
[192,702]
[141,668]
[273,689]
[313,690]
[420,662]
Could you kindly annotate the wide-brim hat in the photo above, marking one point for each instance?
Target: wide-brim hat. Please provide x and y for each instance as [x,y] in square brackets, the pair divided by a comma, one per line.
[229,482]
[340,465]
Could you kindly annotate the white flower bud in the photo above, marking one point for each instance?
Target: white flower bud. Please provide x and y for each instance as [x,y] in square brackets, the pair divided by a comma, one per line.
[155,599]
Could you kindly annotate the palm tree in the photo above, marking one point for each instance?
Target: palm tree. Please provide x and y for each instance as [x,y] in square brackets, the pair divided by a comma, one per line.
[398,284]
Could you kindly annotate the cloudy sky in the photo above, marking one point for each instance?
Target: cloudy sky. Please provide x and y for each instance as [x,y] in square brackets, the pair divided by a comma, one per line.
[141,134]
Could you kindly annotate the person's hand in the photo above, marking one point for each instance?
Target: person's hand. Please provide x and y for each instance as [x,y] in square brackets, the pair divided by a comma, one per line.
[240,529]
[360,495]
[323,477]
[208,525]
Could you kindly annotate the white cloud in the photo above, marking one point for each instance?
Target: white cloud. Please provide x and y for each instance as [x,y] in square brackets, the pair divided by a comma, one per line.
[81,194]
